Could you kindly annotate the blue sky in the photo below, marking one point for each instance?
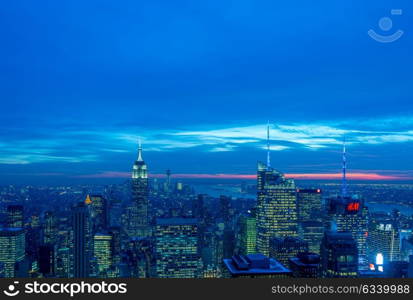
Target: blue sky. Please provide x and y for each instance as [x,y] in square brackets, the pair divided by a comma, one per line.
[80,81]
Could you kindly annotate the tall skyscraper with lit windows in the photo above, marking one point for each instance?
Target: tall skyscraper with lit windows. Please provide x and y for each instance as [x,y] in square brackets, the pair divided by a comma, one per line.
[248,233]
[99,212]
[12,249]
[176,248]
[349,214]
[384,239]
[309,202]
[102,250]
[50,228]
[276,204]
[139,219]
[276,207]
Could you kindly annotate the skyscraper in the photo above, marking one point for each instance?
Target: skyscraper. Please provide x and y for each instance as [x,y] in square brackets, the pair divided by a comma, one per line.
[99,212]
[339,255]
[312,232]
[50,229]
[276,207]
[63,263]
[102,250]
[350,215]
[305,265]
[248,234]
[47,260]
[282,249]
[224,208]
[309,204]
[276,204]
[81,243]
[176,248]
[384,239]
[15,218]
[168,185]
[12,249]
[139,221]
[347,213]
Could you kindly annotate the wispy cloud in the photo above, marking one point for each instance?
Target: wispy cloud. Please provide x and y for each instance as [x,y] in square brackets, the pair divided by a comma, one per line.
[78,145]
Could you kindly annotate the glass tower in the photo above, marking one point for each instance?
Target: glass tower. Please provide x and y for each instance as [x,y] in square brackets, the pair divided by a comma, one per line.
[248,234]
[276,207]
[12,249]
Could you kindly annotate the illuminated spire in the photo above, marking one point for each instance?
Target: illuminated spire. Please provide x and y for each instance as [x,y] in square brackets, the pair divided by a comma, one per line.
[88,201]
[344,183]
[140,150]
[268,147]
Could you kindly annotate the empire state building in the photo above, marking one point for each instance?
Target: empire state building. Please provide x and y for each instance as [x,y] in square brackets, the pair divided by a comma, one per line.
[139,223]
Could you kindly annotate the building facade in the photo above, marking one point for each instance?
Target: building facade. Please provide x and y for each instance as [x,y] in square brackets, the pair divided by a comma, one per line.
[176,248]
[276,207]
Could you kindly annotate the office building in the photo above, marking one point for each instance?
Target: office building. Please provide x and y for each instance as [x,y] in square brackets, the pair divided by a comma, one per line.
[63,268]
[47,260]
[247,234]
[349,214]
[312,233]
[176,248]
[99,212]
[81,241]
[276,207]
[309,203]
[102,250]
[15,216]
[384,239]
[12,250]
[306,265]
[282,249]
[50,228]
[339,255]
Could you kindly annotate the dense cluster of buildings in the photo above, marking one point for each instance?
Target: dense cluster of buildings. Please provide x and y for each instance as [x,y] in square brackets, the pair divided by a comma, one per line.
[166,231]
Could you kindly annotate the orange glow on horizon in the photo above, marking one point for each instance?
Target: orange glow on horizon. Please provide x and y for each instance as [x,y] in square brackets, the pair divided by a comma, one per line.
[303,176]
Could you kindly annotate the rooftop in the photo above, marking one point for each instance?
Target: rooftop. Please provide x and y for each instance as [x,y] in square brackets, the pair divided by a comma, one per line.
[306,259]
[254,264]
[176,221]
[9,230]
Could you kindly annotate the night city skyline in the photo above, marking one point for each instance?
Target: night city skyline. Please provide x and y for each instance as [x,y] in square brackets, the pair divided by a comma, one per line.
[218,139]
[74,108]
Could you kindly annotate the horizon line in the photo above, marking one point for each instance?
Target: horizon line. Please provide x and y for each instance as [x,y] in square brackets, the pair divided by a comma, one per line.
[308,176]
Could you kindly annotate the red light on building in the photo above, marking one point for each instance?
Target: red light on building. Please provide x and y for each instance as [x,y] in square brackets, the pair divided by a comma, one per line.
[353,206]
[319,191]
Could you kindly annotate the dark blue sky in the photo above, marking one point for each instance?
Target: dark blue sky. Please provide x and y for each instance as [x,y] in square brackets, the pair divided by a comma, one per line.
[80,81]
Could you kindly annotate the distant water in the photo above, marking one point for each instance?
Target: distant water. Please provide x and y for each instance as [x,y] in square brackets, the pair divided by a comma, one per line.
[234,191]
[404,209]
[217,190]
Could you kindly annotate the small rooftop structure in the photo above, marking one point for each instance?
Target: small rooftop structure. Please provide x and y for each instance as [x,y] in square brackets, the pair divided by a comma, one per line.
[254,265]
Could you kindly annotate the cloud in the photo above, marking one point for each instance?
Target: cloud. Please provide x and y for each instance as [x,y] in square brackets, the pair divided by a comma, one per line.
[79,145]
